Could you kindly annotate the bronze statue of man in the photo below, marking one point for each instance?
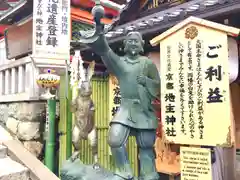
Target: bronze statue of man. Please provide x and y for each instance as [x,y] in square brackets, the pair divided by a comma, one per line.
[139,84]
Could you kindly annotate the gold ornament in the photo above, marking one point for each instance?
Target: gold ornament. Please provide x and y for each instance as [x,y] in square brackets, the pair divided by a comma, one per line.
[191,32]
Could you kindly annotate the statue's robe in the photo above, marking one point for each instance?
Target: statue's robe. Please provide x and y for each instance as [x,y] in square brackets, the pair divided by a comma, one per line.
[136,109]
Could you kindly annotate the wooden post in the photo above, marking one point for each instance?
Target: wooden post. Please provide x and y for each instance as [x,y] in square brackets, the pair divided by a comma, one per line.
[13,80]
[7,82]
[20,79]
[28,77]
[224,167]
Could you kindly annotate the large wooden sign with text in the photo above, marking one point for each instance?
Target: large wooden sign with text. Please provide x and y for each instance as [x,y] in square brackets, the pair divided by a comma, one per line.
[195,86]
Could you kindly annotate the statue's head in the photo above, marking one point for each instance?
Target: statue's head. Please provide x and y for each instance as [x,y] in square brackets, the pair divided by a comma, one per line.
[85,89]
[133,44]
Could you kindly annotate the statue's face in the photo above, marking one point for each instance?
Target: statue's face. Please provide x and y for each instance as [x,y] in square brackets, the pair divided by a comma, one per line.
[86,89]
[133,45]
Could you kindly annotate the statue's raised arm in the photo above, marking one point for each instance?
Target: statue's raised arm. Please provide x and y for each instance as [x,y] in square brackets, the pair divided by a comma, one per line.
[97,41]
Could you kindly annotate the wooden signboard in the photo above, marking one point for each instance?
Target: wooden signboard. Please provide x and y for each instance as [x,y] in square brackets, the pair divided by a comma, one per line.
[197,109]
[195,83]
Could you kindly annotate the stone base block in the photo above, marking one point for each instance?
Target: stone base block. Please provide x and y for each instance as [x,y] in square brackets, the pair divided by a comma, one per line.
[11,170]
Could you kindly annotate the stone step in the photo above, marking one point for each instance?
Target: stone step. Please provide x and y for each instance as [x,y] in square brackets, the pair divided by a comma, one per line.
[11,170]
[36,168]
[3,151]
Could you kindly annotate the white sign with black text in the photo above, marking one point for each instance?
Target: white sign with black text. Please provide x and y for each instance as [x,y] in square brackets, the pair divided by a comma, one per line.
[51,29]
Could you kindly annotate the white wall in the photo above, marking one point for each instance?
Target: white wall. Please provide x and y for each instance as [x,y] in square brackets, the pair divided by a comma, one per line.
[17,78]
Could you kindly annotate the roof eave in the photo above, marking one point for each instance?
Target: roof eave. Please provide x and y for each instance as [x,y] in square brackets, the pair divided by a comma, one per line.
[167,22]
[112,5]
[10,11]
[231,31]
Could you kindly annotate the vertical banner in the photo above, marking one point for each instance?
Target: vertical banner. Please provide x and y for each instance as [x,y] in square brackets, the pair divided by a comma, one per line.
[195,87]
[51,29]
[195,163]
[114,96]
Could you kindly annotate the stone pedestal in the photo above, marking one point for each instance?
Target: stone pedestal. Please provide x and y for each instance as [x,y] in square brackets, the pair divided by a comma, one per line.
[78,171]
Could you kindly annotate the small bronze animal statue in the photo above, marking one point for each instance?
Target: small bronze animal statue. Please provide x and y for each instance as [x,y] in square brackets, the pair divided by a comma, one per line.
[83,109]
